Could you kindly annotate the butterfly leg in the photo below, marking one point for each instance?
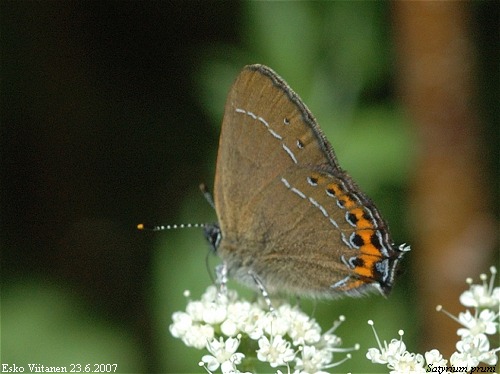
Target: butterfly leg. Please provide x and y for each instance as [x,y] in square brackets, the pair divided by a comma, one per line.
[263,290]
[221,278]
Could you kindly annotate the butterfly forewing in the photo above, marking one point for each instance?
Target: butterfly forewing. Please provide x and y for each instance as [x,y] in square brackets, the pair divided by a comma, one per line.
[261,137]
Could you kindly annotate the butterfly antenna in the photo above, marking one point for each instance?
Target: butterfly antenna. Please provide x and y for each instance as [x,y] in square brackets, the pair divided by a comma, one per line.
[208,196]
[142,226]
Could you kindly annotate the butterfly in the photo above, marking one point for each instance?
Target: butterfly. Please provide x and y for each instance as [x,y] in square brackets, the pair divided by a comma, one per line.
[289,218]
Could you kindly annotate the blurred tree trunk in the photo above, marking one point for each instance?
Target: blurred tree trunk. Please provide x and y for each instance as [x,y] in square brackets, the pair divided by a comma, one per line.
[453,228]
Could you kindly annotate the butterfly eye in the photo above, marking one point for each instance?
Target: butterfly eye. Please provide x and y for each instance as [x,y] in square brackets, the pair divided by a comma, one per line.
[286,121]
[300,145]
[213,235]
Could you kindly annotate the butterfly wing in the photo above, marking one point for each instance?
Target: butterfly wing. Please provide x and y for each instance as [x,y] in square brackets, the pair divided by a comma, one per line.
[286,210]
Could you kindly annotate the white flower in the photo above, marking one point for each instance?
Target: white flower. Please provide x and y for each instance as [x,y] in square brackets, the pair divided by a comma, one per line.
[221,323]
[214,313]
[330,340]
[463,360]
[475,349]
[198,335]
[301,328]
[275,323]
[246,318]
[182,324]
[229,367]
[191,333]
[468,351]
[313,360]
[229,328]
[276,351]
[222,352]
[435,359]
[484,323]
[472,349]
[482,296]
[408,363]
[195,310]
[389,353]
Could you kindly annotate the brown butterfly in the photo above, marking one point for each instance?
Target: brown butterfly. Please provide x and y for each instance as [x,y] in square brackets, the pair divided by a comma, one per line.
[290,218]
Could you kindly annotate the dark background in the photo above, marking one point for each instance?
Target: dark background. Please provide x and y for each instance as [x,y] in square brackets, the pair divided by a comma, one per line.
[110,117]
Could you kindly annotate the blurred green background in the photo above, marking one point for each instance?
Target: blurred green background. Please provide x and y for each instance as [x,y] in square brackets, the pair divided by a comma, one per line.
[110,117]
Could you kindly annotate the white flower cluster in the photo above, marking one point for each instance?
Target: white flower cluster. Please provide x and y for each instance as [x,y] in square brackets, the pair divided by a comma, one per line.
[473,347]
[226,326]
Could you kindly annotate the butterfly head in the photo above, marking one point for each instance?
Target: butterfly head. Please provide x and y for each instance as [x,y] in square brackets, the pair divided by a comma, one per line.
[213,235]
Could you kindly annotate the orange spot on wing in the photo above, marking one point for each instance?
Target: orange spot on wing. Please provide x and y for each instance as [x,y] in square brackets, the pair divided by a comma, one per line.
[368,248]
[348,202]
[336,189]
[355,284]
[368,265]
[362,222]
